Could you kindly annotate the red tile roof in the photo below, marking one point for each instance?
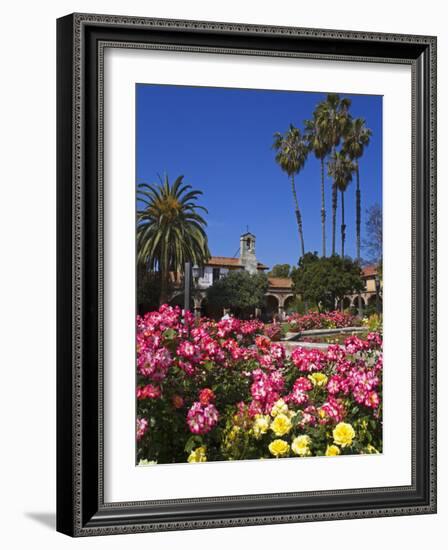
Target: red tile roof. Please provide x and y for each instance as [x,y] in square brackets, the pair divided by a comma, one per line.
[223,261]
[369,271]
[280,282]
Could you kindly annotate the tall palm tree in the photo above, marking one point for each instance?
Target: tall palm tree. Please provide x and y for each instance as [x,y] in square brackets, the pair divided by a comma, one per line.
[320,147]
[341,169]
[170,231]
[292,152]
[332,116]
[356,139]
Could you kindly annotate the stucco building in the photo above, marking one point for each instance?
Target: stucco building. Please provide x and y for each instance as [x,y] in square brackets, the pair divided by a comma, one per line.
[372,288]
[279,292]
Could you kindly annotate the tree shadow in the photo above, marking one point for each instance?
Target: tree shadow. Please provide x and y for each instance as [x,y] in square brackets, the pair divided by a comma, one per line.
[48,519]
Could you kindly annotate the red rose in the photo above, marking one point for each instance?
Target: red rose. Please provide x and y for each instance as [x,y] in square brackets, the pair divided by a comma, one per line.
[206,396]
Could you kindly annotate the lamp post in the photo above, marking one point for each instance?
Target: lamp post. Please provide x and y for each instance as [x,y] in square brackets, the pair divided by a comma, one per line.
[187,286]
[197,273]
[190,273]
[377,289]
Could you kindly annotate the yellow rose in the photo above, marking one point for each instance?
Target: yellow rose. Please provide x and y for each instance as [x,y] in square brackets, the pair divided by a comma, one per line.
[318,379]
[371,450]
[233,433]
[332,450]
[301,445]
[198,455]
[279,407]
[261,425]
[281,424]
[343,434]
[279,447]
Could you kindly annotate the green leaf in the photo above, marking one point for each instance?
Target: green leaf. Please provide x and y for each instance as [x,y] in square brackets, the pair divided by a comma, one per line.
[193,442]
[169,334]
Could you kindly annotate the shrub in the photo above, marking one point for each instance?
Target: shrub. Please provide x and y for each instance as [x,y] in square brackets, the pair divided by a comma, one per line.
[316,320]
[224,390]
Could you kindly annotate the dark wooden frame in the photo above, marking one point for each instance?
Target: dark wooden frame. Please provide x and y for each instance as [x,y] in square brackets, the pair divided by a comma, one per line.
[81,38]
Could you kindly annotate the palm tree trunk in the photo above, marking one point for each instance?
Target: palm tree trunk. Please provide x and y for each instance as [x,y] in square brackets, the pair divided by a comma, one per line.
[358,215]
[298,215]
[334,190]
[334,205]
[343,226]
[322,211]
[358,231]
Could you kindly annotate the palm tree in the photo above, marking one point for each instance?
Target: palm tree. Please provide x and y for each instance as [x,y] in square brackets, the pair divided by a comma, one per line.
[320,148]
[292,152]
[358,137]
[170,231]
[332,117]
[341,169]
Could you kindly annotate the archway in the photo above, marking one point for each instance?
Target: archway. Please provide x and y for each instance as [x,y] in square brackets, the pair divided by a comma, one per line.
[355,304]
[271,307]
[343,304]
[372,304]
[288,304]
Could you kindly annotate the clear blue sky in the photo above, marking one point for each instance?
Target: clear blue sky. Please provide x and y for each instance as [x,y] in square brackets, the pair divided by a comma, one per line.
[220,140]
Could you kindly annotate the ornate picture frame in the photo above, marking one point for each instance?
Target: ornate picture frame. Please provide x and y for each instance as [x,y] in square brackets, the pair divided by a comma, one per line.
[81,42]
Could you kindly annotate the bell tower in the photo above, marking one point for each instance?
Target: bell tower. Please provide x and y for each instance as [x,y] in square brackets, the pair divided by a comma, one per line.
[248,258]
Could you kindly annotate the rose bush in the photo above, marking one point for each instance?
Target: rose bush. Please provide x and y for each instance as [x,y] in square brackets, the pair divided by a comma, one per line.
[223,390]
[314,320]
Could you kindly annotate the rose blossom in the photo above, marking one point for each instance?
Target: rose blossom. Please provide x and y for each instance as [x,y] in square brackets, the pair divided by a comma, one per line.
[142,427]
[148,392]
[201,419]
[299,391]
[206,396]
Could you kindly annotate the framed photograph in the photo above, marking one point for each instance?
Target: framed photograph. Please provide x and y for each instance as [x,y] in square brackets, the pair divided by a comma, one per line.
[246,274]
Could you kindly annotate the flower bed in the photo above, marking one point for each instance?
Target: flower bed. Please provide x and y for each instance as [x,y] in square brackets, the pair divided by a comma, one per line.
[315,320]
[223,390]
[333,338]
